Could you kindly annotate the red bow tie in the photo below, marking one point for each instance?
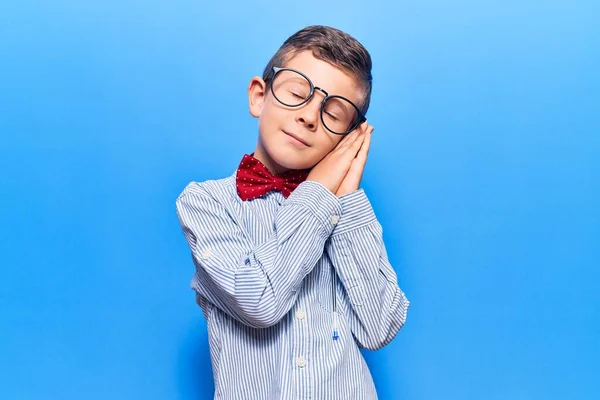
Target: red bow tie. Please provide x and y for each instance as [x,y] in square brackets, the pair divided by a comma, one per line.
[254,180]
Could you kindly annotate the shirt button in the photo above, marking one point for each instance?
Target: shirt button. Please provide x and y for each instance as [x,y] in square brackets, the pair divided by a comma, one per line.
[301,362]
[335,219]
[206,254]
[300,314]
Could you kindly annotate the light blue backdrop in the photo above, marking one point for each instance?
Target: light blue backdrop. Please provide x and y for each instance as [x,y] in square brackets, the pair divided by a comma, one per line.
[484,171]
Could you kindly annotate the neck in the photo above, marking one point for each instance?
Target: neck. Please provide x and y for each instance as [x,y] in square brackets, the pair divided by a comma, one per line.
[260,153]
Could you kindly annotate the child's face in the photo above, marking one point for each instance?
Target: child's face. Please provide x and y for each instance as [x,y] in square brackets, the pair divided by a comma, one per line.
[276,147]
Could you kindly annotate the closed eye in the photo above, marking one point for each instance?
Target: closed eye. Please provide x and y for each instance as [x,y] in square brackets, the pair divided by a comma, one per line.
[332,116]
[297,96]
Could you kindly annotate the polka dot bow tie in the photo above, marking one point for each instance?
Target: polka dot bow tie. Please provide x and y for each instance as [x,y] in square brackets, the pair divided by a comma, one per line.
[254,180]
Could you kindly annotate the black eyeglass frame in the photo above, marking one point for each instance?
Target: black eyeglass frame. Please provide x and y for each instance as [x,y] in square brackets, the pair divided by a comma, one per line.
[360,116]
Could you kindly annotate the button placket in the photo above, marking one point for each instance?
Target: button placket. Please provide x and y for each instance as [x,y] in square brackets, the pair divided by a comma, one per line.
[301,341]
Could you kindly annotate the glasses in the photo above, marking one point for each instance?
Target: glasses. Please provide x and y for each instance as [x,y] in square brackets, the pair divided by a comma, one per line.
[293,89]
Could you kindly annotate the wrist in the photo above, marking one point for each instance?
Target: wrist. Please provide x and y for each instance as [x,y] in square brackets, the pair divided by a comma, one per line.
[357,212]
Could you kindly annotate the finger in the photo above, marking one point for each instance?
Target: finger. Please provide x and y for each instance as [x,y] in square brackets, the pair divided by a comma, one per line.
[353,136]
[357,167]
[364,125]
[358,130]
[363,153]
[354,133]
[356,145]
[349,139]
[362,128]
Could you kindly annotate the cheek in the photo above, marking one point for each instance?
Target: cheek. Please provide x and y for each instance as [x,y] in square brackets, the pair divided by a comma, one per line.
[271,114]
[268,118]
[333,141]
[327,144]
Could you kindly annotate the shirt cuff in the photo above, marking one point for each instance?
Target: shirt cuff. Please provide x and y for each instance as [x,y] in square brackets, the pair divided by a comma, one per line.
[323,204]
[356,212]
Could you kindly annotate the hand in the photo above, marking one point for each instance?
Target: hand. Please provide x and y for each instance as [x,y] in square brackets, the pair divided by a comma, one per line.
[334,167]
[352,180]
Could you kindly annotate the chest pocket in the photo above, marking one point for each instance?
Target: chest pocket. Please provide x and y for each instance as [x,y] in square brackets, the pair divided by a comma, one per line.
[350,289]
[325,280]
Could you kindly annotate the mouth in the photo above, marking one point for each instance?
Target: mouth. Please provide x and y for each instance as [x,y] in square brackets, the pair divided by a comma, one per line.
[297,139]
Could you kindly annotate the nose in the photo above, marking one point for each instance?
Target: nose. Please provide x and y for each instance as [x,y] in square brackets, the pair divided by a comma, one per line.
[308,115]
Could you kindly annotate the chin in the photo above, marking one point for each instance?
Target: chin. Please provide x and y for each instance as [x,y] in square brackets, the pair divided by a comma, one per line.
[287,155]
[290,159]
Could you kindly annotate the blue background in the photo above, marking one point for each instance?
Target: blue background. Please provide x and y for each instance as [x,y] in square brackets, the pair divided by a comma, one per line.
[484,171]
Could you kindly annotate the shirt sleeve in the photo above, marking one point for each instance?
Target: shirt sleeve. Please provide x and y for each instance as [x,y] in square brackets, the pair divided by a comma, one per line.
[375,305]
[256,284]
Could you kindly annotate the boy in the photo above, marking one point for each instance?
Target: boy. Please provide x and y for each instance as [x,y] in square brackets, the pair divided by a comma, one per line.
[291,270]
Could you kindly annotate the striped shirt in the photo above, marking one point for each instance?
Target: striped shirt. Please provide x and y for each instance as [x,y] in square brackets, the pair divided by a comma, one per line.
[275,278]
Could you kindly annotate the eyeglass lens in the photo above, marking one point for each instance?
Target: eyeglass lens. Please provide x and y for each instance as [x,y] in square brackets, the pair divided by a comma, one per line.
[292,89]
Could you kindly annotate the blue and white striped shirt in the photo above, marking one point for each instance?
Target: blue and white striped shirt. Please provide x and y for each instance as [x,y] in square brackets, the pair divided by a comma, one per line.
[265,274]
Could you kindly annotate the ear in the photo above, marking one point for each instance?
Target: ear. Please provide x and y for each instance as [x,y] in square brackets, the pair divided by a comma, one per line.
[256,96]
